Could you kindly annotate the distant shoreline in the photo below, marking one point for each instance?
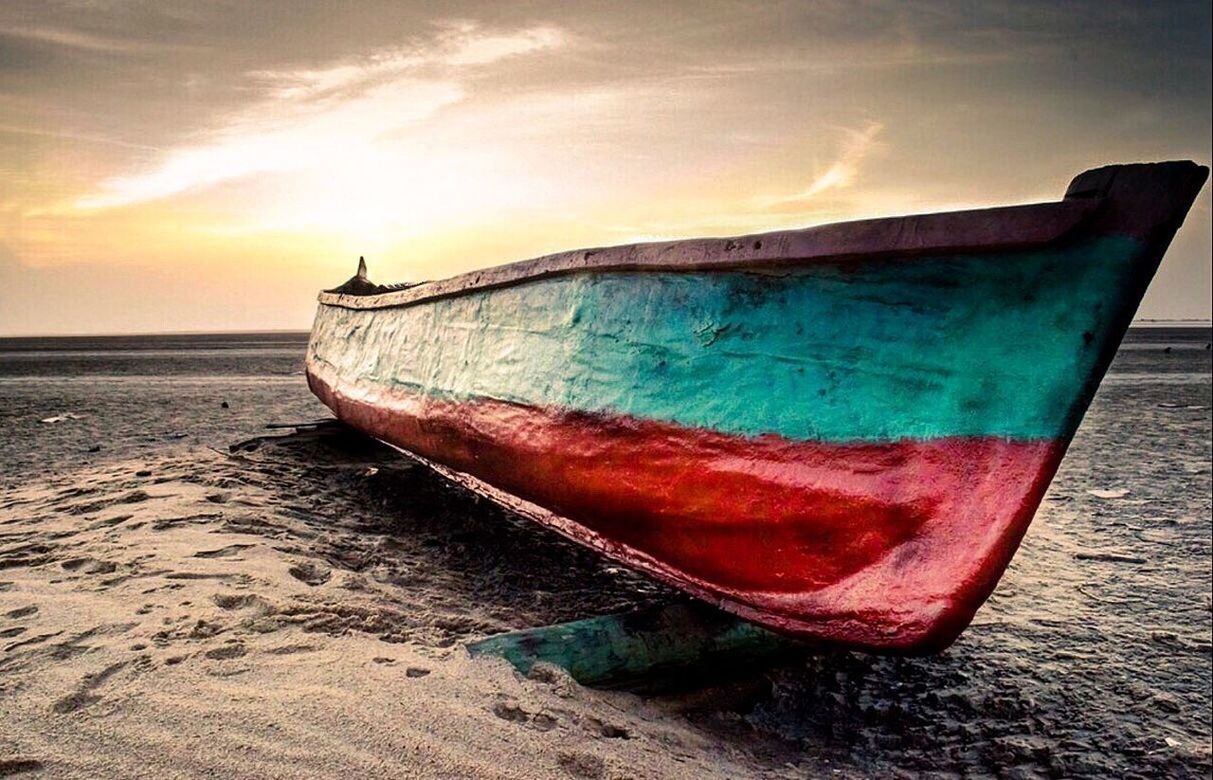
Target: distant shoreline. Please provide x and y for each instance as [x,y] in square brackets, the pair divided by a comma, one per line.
[158,334]
[303,333]
[1172,324]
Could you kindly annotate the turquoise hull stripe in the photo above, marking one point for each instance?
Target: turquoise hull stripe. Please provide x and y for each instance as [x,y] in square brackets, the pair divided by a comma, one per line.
[1003,345]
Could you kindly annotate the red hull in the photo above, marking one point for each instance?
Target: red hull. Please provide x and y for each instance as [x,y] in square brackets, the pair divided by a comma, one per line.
[784,533]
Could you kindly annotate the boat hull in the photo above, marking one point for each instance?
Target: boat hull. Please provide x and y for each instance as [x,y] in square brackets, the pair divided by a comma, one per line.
[848,449]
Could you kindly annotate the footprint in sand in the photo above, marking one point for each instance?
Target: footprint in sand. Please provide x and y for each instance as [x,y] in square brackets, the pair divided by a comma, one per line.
[227,652]
[233,601]
[34,640]
[310,573]
[512,712]
[582,765]
[90,507]
[89,566]
[83,696]
[109,522]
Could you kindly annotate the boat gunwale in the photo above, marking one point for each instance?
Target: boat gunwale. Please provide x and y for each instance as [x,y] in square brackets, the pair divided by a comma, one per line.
[974,231]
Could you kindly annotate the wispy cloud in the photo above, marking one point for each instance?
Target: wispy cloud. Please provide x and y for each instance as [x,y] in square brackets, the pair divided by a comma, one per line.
[820,200]
[858,144]
[76,39]
[285,133]
[278,138]
[458,44]
[310,118]
[465,46]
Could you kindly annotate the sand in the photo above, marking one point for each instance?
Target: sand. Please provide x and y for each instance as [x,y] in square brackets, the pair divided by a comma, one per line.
[177,618]
[298,607]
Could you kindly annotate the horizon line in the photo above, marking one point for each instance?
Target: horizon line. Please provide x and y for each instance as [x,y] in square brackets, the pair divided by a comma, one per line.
[1148,322]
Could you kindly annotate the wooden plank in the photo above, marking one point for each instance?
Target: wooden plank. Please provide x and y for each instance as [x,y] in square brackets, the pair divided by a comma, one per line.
[663,645]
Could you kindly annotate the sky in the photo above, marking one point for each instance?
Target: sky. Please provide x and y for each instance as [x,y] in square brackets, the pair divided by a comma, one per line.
[210,165]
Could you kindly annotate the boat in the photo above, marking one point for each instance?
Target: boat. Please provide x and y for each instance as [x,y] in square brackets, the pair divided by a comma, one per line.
[840,433]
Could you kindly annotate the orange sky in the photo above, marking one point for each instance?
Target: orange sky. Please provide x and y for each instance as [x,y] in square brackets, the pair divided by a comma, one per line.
[201,166]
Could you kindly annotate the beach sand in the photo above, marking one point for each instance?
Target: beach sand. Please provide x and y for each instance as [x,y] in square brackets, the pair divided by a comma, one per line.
[296,606]
[183,617]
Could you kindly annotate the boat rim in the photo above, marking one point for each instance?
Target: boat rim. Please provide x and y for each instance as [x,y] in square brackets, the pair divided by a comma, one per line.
[972,231]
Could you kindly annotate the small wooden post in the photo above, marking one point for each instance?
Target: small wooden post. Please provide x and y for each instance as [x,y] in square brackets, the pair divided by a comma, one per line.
[663,645]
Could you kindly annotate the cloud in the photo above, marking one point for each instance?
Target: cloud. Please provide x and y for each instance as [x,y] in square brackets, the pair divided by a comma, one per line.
[460,44]
[281,139]
[313,117]
[75,39]
[821,200]
[182,133]
[842,172]
[469,48]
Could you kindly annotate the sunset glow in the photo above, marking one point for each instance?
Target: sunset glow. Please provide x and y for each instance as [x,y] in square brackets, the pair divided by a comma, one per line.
[153,156]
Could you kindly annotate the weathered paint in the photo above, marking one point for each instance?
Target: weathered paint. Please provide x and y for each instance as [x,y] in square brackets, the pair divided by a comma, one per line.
[803,528]
[847,449]
[944,346]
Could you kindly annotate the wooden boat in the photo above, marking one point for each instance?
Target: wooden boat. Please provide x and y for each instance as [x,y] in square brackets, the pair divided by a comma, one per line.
[841,433]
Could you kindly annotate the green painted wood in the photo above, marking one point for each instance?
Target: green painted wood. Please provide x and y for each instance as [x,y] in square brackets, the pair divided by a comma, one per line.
[669,643]
[964,345]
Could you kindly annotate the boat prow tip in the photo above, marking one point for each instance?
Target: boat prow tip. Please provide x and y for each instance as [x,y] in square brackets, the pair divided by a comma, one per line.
[1147,201]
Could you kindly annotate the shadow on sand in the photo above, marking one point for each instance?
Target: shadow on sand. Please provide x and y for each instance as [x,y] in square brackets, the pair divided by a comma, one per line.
[466,568]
